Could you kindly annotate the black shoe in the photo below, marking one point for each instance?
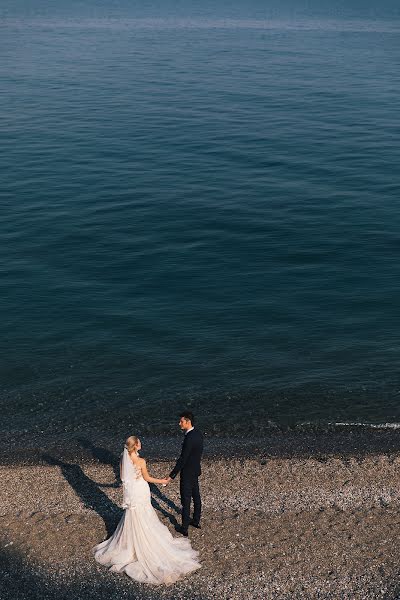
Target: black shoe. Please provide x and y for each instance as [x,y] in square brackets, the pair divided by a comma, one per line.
[181,530]
[194,524]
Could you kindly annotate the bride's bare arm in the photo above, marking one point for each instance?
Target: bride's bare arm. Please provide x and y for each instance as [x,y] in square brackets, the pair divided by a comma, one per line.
[148,477]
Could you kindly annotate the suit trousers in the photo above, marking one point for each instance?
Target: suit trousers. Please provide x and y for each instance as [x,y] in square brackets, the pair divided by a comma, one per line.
[189,488]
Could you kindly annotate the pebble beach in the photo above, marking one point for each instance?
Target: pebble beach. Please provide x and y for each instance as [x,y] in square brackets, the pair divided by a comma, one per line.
[200,211]
[302,516]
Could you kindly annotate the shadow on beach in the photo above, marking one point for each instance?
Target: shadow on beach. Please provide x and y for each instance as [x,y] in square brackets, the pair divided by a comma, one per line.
[89,492]
[21,580]
[105,457]
[156,497]
[95,499]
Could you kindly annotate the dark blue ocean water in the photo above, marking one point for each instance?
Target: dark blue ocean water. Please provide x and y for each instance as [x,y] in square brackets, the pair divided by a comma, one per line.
[200,205]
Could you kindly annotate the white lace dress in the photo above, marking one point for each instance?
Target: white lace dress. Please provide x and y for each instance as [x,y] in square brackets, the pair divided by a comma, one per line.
[141,546]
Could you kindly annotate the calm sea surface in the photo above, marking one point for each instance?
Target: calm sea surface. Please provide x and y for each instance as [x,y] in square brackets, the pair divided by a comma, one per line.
[199,207]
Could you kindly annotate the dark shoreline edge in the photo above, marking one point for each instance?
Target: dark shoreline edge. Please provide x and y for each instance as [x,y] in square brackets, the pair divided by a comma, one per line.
[104,447]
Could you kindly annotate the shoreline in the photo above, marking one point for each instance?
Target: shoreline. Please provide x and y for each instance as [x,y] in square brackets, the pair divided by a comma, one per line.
[288,516]
[92,446]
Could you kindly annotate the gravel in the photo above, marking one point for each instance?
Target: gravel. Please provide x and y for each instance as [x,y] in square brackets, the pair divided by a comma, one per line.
[282,525]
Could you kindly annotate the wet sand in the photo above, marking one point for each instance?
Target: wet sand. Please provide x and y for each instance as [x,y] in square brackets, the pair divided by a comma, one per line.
[306,524]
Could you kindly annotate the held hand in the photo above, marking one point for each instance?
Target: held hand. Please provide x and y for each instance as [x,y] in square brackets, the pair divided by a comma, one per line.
[165,481]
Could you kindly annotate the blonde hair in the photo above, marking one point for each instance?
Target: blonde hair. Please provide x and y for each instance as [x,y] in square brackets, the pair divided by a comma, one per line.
[131,443]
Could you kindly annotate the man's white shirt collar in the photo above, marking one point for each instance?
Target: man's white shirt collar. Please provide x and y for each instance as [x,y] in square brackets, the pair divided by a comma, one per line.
[191,429]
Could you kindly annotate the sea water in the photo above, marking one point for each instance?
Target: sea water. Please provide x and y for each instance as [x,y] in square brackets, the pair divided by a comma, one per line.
[200,207]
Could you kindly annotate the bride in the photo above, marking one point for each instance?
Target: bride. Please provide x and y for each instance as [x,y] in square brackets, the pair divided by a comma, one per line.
[142,546]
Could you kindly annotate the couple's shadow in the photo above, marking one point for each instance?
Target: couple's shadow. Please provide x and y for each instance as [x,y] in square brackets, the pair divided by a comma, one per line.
[95,499]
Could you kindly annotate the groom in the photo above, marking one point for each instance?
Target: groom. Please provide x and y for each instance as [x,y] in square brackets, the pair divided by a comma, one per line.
[188,464]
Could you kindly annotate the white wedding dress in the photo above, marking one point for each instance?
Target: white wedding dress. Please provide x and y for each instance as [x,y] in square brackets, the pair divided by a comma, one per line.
[141,546]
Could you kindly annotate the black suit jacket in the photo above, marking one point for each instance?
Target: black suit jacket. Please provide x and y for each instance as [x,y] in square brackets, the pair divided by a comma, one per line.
[189,461]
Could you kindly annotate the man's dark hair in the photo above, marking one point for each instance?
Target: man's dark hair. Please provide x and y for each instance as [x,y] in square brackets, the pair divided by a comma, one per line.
[189,416]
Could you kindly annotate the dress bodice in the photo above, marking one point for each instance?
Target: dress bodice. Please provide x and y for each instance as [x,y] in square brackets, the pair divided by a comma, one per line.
[137,471]
[135,489]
